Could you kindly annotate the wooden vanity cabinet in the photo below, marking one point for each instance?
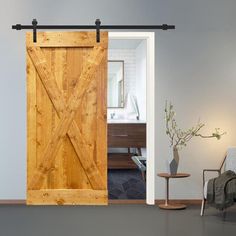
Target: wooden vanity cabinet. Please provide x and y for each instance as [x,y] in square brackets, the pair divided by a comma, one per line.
[125,135]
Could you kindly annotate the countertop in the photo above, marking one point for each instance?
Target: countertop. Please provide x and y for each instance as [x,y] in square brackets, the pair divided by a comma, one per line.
[116,121]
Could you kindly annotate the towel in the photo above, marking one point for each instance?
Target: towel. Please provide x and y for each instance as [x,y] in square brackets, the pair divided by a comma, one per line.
[131,107]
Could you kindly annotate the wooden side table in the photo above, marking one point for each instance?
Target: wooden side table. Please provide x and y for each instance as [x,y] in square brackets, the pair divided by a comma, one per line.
[167,205]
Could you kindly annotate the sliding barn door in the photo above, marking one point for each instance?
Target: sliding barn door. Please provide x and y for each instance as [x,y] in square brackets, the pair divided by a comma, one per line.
[66,118]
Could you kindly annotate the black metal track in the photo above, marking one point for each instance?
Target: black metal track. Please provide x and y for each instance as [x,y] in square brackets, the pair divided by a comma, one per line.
[97,26]
[162,27]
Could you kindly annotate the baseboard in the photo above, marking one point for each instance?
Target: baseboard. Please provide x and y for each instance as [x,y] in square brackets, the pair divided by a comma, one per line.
[12,202]
[126,201]
[181,201]
[157,201]
[116,201]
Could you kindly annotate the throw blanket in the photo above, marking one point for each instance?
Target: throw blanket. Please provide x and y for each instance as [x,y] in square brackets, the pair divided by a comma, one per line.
[221,191]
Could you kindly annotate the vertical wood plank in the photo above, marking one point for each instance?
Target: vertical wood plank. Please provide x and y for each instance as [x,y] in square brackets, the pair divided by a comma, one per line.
[57,176]
[76,175]
[31,118]
[101,119]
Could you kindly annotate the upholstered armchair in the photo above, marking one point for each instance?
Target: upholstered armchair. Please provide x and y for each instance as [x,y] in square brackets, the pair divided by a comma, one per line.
[228,163]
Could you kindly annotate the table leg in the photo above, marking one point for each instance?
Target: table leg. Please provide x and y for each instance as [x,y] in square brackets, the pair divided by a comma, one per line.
[167,205]
[167,192]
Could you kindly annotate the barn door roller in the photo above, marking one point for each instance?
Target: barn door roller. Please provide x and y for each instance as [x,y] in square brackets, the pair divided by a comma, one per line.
[34,23]
[97,27]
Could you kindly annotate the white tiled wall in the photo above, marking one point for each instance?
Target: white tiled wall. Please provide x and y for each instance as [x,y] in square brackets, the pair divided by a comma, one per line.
[134,77]
[129,58]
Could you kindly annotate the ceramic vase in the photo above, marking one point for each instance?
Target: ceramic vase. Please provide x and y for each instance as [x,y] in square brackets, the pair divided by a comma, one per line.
[174,162]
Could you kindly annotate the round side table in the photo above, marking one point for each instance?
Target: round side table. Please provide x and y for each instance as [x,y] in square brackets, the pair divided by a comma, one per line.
[167,205]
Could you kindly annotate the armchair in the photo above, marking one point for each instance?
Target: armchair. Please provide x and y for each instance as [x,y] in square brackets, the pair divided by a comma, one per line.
[228,163]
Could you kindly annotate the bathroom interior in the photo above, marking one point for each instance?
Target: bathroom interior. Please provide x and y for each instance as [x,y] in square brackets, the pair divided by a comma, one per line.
[126,118]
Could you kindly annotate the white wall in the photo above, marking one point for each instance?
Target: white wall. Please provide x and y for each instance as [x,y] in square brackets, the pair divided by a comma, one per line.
[195,69]
[200,80]
[141,76]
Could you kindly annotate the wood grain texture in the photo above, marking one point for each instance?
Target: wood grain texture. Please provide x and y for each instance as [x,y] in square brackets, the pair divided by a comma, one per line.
[176,176]
[101,119]
[67,113]
[67,151]
[126,135]
[67,39]
[31,118]
[67,197]
[121,161]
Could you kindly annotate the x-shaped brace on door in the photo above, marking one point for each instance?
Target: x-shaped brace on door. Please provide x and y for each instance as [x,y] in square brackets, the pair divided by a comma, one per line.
[66,113]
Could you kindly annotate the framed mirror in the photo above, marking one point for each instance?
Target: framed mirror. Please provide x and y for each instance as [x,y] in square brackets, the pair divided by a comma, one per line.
[115,85]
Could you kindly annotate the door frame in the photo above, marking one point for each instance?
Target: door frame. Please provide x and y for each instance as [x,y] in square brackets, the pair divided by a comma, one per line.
[150,106]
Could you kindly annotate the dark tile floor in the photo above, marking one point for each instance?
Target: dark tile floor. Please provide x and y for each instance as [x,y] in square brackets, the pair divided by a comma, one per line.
[115,220]
[126,184]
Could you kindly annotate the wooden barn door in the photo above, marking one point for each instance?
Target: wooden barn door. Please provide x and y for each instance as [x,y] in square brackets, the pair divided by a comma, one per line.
[66,118]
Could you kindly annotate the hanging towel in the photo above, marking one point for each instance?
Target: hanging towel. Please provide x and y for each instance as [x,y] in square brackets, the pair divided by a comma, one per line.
[131,108]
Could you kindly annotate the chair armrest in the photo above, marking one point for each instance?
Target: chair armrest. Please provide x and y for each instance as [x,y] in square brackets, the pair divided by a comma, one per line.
[137,160]
[209,170]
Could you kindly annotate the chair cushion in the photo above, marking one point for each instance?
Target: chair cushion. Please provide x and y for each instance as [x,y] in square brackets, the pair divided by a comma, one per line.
[205,190]
[230,162]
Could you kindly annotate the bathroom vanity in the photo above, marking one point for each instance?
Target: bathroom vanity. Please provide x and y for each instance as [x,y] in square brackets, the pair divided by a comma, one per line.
[125,134]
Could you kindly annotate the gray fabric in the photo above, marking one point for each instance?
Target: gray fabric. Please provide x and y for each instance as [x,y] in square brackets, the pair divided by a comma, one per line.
[221,191]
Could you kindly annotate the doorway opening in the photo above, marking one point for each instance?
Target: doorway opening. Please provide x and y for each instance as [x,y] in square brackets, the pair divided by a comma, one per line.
[131,115]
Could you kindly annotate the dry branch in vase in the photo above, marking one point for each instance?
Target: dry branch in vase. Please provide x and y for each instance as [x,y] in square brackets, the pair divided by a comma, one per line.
[179,138]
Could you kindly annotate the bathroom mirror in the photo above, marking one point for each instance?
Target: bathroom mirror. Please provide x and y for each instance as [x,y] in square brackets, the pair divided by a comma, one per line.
[115,85]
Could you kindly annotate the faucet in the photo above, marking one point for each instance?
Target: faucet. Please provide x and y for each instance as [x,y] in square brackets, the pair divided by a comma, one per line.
[112,115]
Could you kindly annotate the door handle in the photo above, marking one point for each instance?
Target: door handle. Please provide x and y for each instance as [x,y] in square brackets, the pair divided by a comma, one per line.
[119,135]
